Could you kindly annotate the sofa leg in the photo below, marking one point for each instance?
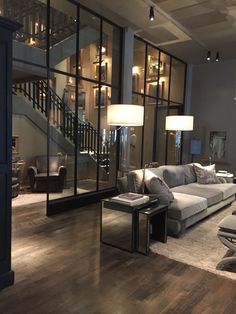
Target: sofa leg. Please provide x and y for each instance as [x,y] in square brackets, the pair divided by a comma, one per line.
[183,228]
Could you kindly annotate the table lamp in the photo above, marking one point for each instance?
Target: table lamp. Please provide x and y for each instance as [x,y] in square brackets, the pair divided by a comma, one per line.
[178,124]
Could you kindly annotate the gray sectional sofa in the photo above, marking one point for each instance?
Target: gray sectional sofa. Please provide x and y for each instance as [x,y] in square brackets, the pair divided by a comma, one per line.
[192,201]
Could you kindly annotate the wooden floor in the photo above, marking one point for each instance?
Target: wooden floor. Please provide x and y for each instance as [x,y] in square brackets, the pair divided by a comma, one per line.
[61,267]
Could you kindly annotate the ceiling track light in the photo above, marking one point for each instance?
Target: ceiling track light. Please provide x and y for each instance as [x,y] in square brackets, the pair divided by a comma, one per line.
[151,14]
[217,56]
[208,56]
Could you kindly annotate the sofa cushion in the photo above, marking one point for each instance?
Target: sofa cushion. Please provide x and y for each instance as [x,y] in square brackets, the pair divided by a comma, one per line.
[227,189]
[190,175]
[41,164]
[135,181]
[209,192]
[157,186]
[228,224]
[42,176]
[205,176]
[174,175]
[185,206]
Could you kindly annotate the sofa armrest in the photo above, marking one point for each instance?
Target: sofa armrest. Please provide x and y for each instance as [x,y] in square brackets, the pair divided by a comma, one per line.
[62,171]
[32,171]
[62,176]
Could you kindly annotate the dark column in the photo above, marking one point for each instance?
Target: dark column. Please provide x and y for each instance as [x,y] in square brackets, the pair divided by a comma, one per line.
[6,29]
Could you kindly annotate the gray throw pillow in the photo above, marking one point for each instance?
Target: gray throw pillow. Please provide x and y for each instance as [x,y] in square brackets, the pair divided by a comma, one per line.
[205,176]
[156,185]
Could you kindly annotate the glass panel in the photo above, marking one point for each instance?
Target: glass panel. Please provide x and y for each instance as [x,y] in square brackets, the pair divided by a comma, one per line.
[172,153]
[61,138]
[63,19]
[138,66]
[149,123]
[29,139]
[136,138]
[89,45]
[107,159]
[161,133]
[152,71]
[164,76]
[88,97]
[111,50]
[32,15]
[177,81]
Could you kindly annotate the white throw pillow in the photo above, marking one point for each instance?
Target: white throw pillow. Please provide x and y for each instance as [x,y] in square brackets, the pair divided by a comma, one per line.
[209,167]
[205,176]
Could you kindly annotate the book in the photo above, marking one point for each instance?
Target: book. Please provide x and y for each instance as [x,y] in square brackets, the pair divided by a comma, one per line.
[222,171]
[130,196]
[131,199]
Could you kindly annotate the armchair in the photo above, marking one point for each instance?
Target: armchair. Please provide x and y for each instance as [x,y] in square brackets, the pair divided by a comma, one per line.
[38,175]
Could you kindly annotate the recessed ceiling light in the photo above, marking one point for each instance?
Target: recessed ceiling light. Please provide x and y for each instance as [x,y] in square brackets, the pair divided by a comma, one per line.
[208,55]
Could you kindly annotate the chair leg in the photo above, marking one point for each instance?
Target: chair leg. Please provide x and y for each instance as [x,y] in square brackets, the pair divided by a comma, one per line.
[229,257]
[227,242]
[226,261]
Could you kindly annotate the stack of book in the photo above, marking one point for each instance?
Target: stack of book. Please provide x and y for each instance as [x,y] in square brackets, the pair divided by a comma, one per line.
[131,199]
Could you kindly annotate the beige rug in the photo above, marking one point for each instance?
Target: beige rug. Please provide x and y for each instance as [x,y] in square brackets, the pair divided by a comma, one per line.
[200,246]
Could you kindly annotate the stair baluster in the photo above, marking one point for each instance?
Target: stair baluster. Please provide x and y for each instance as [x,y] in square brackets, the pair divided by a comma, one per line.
[63,118]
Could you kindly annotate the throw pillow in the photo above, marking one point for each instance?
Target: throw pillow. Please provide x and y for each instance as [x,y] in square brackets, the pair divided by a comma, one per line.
[205,176]
[156,185]
[209,167]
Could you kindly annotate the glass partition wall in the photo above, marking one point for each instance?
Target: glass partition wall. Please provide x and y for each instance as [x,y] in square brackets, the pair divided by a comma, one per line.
[158,84]
[84,70]
[67,62]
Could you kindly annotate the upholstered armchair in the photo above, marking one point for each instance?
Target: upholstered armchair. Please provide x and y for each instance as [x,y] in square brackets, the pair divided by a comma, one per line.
[38,175]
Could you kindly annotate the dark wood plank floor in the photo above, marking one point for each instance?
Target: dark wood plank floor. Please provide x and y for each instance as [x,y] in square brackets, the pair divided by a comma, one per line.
[62,268]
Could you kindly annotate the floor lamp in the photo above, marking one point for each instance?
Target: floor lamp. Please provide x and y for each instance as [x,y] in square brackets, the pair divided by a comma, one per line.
[179,124]
[124,116]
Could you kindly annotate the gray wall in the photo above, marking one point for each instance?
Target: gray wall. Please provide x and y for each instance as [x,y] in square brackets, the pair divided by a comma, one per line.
[213,104]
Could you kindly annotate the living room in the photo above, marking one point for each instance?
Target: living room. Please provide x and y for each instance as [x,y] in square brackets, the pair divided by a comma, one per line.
[201,89]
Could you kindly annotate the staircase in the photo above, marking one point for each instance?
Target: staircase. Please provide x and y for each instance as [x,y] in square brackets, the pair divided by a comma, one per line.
[62,118]
[32,15]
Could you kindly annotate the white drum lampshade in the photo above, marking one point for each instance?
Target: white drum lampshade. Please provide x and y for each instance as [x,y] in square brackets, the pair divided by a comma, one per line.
[125,115]
[179,123]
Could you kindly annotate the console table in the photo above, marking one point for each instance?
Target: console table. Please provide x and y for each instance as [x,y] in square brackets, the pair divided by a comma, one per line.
[128,227]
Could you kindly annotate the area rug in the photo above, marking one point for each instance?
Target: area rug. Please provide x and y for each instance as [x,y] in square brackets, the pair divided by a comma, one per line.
[200,246]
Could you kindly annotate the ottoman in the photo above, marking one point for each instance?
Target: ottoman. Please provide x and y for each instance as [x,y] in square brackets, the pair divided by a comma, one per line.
[227,235]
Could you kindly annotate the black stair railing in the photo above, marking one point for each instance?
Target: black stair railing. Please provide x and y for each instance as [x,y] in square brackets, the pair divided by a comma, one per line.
[63,118]
[32,15]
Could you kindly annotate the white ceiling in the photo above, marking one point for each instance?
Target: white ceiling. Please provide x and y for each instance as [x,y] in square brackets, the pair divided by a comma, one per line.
[184,28]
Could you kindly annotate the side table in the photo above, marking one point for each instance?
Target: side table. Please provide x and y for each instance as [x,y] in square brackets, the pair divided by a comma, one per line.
[118,225]
[152,223]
